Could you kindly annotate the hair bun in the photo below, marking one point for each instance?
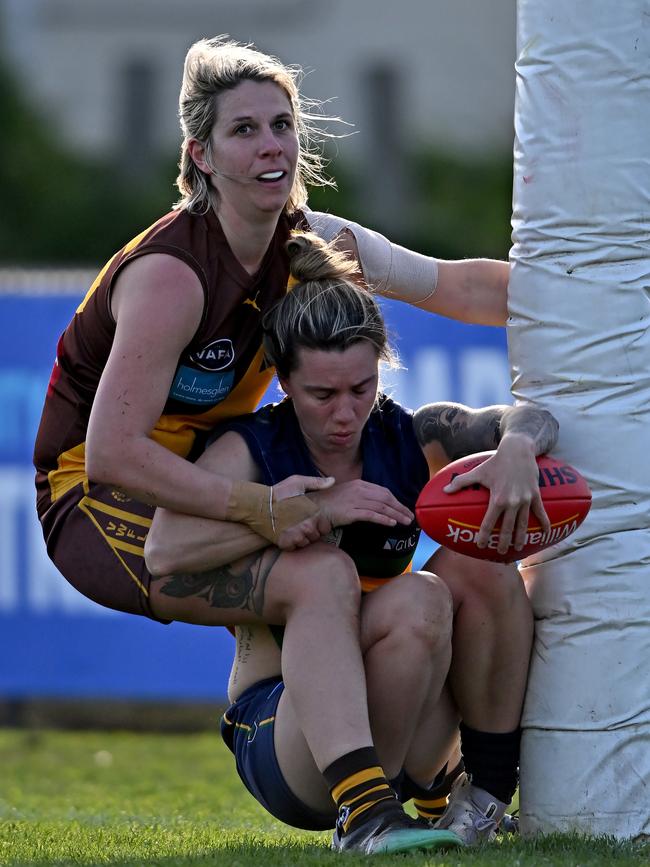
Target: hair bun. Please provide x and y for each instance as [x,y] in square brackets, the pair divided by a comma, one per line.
[311,258]
[296,244]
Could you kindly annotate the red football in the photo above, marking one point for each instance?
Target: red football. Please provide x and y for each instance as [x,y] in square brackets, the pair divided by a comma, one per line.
[454,520]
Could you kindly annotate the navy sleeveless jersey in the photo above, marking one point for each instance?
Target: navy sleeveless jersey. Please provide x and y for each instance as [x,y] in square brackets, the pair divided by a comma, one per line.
[391,455]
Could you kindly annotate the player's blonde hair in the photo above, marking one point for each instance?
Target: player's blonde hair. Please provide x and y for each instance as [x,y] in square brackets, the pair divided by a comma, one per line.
[325,310]
[213,66]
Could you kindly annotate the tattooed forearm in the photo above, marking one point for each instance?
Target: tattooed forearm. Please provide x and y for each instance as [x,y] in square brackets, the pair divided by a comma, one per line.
[240,586]
[536,423]
[458,429]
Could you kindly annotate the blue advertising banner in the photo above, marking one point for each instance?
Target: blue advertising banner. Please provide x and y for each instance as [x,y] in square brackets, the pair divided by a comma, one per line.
[56,643]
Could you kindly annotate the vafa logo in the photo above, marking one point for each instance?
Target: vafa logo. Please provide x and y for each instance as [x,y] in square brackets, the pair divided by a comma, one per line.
[215,356]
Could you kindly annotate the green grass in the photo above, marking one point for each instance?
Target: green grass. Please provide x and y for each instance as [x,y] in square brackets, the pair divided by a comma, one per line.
[81,798]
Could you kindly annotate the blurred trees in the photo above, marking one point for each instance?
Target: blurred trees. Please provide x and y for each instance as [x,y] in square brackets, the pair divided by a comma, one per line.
[59,208]
[62,209]
[465,206]
[461,207]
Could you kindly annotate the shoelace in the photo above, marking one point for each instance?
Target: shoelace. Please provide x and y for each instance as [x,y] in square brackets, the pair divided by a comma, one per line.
[482,823]
[472,818]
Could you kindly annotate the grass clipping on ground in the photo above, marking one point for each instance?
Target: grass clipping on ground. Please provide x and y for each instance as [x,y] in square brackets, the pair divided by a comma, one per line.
[120,798]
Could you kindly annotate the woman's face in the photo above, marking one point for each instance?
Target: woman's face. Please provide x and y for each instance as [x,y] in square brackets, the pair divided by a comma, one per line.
[333,393]
[254,150]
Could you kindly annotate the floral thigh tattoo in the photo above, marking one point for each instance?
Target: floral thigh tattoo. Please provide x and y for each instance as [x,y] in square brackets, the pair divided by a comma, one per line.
[241,585]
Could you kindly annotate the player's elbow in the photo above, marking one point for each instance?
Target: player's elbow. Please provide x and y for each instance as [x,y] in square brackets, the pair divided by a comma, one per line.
[101,463]
[158,556]
[110,459]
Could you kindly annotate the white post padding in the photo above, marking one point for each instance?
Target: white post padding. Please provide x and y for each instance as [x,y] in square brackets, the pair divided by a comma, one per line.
[579,345]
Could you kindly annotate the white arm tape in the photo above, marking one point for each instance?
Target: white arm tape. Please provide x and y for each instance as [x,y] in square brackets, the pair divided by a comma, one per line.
[387,268]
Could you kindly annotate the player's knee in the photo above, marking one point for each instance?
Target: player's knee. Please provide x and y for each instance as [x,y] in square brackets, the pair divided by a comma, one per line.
[498,585]
[423,611]
[326,577]
[336,582]
[494,586]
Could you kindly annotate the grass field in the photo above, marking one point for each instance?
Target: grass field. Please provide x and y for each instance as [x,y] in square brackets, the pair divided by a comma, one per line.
[80,798]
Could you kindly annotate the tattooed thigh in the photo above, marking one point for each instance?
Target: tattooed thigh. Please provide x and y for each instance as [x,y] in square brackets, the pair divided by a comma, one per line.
[240,585]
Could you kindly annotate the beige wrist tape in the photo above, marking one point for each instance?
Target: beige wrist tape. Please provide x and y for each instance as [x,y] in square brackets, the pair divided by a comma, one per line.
[253,504]
[387,268]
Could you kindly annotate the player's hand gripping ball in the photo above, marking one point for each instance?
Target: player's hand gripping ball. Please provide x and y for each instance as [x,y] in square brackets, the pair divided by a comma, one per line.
[454,520]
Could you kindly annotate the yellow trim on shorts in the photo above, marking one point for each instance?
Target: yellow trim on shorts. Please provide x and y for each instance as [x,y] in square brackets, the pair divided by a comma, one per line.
[247,728]
[114,512]
[115,544]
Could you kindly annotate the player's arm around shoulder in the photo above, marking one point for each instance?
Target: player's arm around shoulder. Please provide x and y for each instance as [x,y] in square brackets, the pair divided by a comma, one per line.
[469,290]
[178,542]
[472,290]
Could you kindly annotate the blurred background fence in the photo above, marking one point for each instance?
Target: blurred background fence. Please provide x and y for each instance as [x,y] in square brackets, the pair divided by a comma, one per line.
[88,148]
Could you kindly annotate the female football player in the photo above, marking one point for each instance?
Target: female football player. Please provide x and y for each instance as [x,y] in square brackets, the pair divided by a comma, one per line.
[299,612]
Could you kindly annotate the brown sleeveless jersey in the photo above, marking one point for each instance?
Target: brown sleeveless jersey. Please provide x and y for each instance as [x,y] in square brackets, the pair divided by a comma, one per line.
[220,374]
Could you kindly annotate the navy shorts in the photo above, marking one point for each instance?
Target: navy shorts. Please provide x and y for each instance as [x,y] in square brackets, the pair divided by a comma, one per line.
[247,729]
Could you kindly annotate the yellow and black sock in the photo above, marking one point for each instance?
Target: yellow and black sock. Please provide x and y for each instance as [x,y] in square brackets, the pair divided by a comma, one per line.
[430,808]
[360,789]
[431,803]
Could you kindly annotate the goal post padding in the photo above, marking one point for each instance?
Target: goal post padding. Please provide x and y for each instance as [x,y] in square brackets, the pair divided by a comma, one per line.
[579,344]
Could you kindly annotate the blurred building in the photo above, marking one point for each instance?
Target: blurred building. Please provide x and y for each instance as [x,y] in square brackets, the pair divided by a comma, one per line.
[106,75]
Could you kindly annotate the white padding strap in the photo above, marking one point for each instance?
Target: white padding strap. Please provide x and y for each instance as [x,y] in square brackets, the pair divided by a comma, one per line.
[387,268]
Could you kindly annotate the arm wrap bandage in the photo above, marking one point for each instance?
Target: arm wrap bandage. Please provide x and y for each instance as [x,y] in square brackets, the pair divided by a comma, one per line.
[254,505]
[387,268]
